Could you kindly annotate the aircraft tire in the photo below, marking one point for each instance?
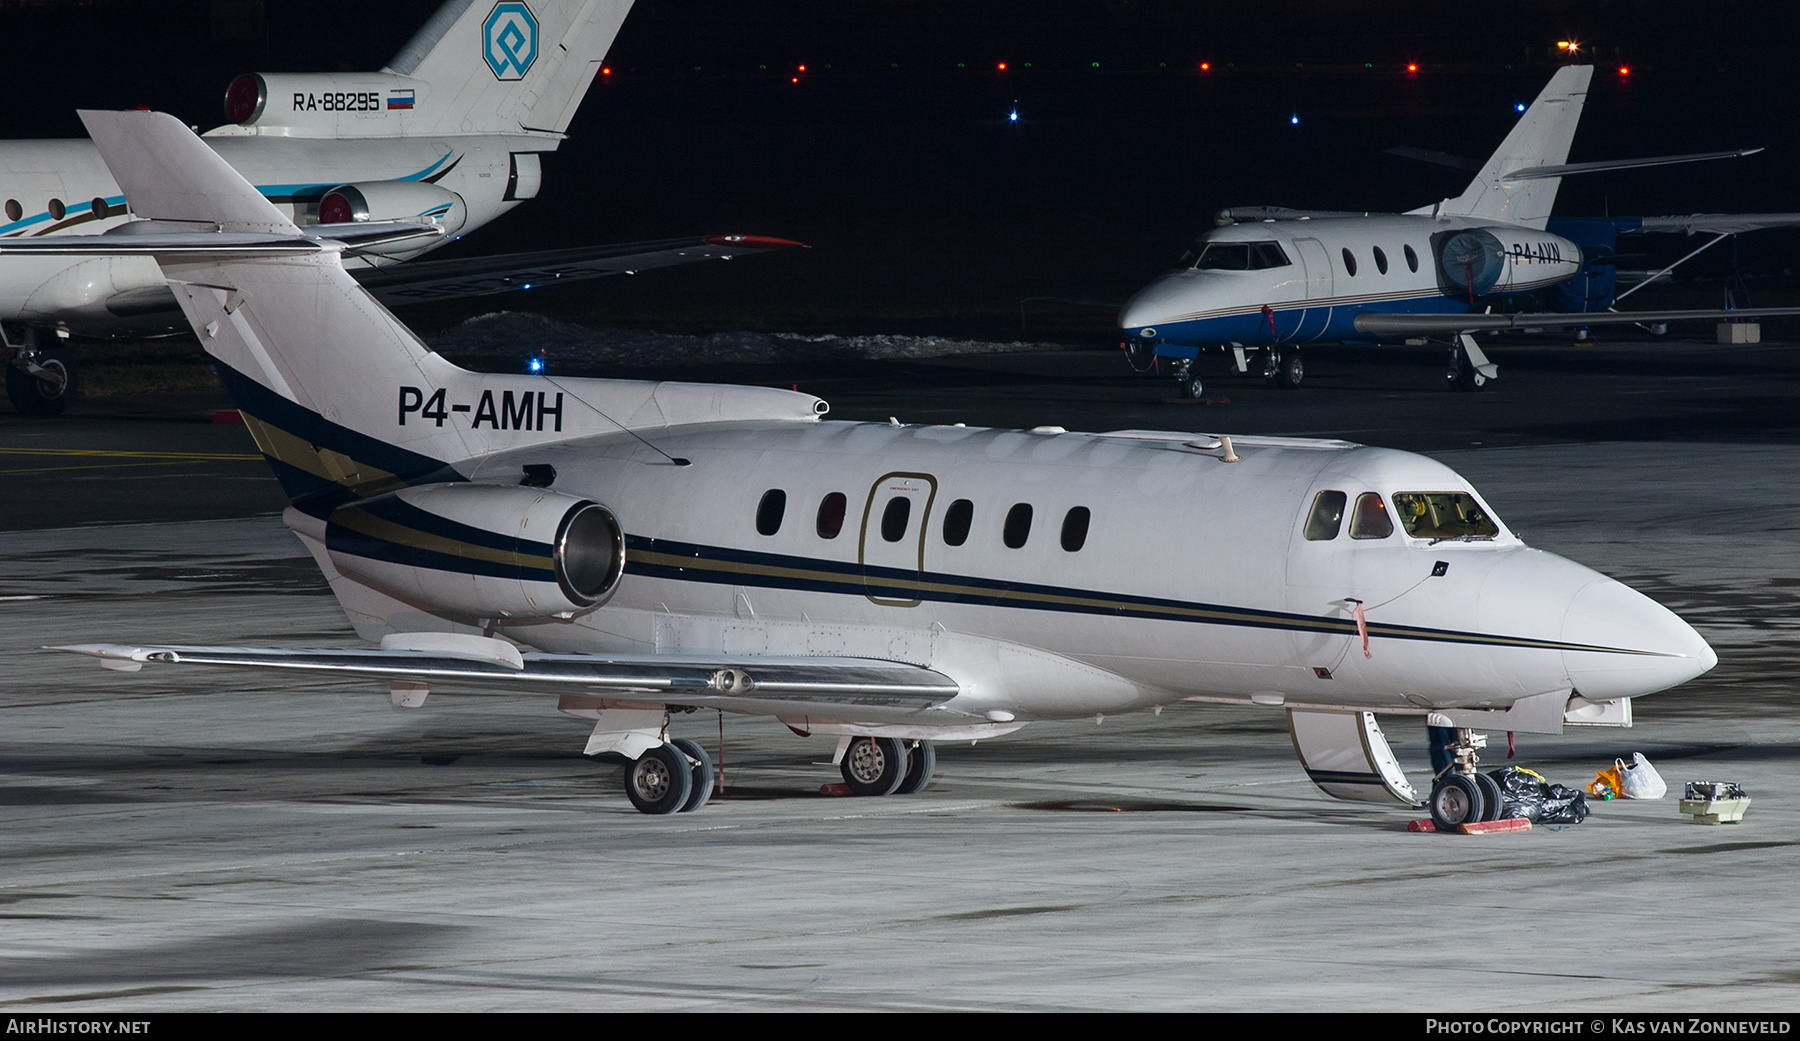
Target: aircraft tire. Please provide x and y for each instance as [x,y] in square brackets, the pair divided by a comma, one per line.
[1493,803]
[874,765]
[700,790]
[921,763]
[1290,372]
[1456,800]
[32,396]
[659,781]
[1192,387]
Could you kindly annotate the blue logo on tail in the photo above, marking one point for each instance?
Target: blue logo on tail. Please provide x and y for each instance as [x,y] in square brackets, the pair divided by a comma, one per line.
[509,40]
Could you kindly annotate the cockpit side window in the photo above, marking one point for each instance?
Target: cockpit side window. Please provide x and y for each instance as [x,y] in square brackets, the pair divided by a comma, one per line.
[1265,255]
[1443,515]
[1371,519]
[1225,256]
[1327,516]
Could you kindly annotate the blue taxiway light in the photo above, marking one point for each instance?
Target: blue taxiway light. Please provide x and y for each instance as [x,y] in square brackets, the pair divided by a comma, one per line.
[1294,120]
[1519,107]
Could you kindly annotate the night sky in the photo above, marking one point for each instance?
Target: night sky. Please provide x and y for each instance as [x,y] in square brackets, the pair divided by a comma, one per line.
[926,209]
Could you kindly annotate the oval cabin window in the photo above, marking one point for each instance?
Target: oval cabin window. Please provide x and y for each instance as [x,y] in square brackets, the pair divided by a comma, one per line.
[957,520]
[1349,263]
[894,518]
[1075,528]
[831,515]
[769,511]
[1380,260]
[1018,526]
[1412,259]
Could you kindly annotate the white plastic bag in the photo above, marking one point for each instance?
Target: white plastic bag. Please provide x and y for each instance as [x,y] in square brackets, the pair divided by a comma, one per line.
[1640,780]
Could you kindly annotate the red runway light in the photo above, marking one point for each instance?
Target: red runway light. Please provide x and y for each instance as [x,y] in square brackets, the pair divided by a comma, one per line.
[802,68]
[1412,66]
[604,71]
[1206,66]
[1624,70]
[1002,66]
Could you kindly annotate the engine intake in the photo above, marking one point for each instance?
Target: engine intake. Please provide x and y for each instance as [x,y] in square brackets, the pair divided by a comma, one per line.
[482,550]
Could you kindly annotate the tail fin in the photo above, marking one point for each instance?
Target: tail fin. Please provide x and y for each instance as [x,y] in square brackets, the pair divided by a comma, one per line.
[508,66]
[1541,138]
[341,397]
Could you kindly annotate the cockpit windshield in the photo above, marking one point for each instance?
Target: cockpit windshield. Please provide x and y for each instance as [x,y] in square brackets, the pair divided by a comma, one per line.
[1234,256]
[1443,515]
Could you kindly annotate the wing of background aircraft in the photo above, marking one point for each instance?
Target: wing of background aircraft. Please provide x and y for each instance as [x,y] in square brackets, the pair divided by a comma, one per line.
[479,276]
[1453,324]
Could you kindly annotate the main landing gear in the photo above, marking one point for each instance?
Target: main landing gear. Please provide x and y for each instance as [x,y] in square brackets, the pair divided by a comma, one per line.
[37,384]
[1462,794]
[1470,369]
[673,777]
[887,765]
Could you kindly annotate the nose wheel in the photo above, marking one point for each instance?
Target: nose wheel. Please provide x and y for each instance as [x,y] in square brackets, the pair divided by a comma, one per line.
[1462,794]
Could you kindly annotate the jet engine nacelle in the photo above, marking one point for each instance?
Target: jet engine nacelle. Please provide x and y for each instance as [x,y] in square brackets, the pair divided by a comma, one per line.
[393,200]
[482,550]
[1479,261]
[324,104]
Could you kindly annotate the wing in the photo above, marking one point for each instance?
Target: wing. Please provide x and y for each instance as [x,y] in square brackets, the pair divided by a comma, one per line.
[480,276]
[762,685]
[1706,223]
[1452,324]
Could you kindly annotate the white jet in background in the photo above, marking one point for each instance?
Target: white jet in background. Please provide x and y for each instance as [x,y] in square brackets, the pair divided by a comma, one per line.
[448,136]
[641,549]
[1270,279]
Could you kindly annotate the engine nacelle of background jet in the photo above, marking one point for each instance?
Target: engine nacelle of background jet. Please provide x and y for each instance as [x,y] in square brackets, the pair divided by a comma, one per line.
[324,104]
[1500,259]
[393,200]
[482,550]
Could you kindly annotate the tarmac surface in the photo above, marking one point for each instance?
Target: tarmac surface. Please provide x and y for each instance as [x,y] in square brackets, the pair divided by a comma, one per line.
[228,841]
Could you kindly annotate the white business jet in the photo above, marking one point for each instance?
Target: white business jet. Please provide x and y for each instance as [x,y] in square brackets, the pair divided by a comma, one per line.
[1270,279]
[445,138]
[641,549]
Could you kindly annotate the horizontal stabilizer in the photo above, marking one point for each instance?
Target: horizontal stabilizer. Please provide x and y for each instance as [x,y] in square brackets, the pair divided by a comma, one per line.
[713,681]
[1452,324]
[154,241]
[1534,173]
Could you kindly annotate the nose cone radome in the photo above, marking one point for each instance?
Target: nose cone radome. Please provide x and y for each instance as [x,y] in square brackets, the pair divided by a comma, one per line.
[1638,645]
[1156,304]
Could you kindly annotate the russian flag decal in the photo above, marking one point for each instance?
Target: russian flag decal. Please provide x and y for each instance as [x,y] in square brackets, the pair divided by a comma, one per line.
[399,99]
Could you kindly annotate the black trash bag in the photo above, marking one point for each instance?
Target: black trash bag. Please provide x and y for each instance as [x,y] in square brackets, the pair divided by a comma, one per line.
[1528,796]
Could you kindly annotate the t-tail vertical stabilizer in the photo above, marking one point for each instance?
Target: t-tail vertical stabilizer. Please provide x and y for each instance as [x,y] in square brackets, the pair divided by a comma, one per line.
[1541,138]
[342,398]
[507,66]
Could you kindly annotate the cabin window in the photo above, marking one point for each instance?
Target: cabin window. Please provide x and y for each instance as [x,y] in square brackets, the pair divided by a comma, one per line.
[1380,260]
[1327,516]
[1443,515]
[1018,525]
[956,522]
[1349,262]
[894,517]
[769,511]
[13,210]
[1371,519]
[57,209]
[1075,528]
[1412,259]
[100,209]
[831,515]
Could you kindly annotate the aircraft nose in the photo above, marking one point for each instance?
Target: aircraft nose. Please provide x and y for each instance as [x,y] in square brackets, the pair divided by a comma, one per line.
[1153,305]
[1640,645]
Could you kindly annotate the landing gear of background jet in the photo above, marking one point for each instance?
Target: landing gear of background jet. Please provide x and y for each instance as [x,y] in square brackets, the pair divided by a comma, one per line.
[921,762]
[660,780]
[875,765]
[701,774]
[1187,383]
[37,384]
[1469,368]
[1286,371]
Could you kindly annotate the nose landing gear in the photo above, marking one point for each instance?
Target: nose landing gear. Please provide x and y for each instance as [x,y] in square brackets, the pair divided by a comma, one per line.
[1461,794]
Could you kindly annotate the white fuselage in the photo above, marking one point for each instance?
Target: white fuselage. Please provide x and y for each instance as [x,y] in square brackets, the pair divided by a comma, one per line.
[1330,270]
[54,186]
[1193,579]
